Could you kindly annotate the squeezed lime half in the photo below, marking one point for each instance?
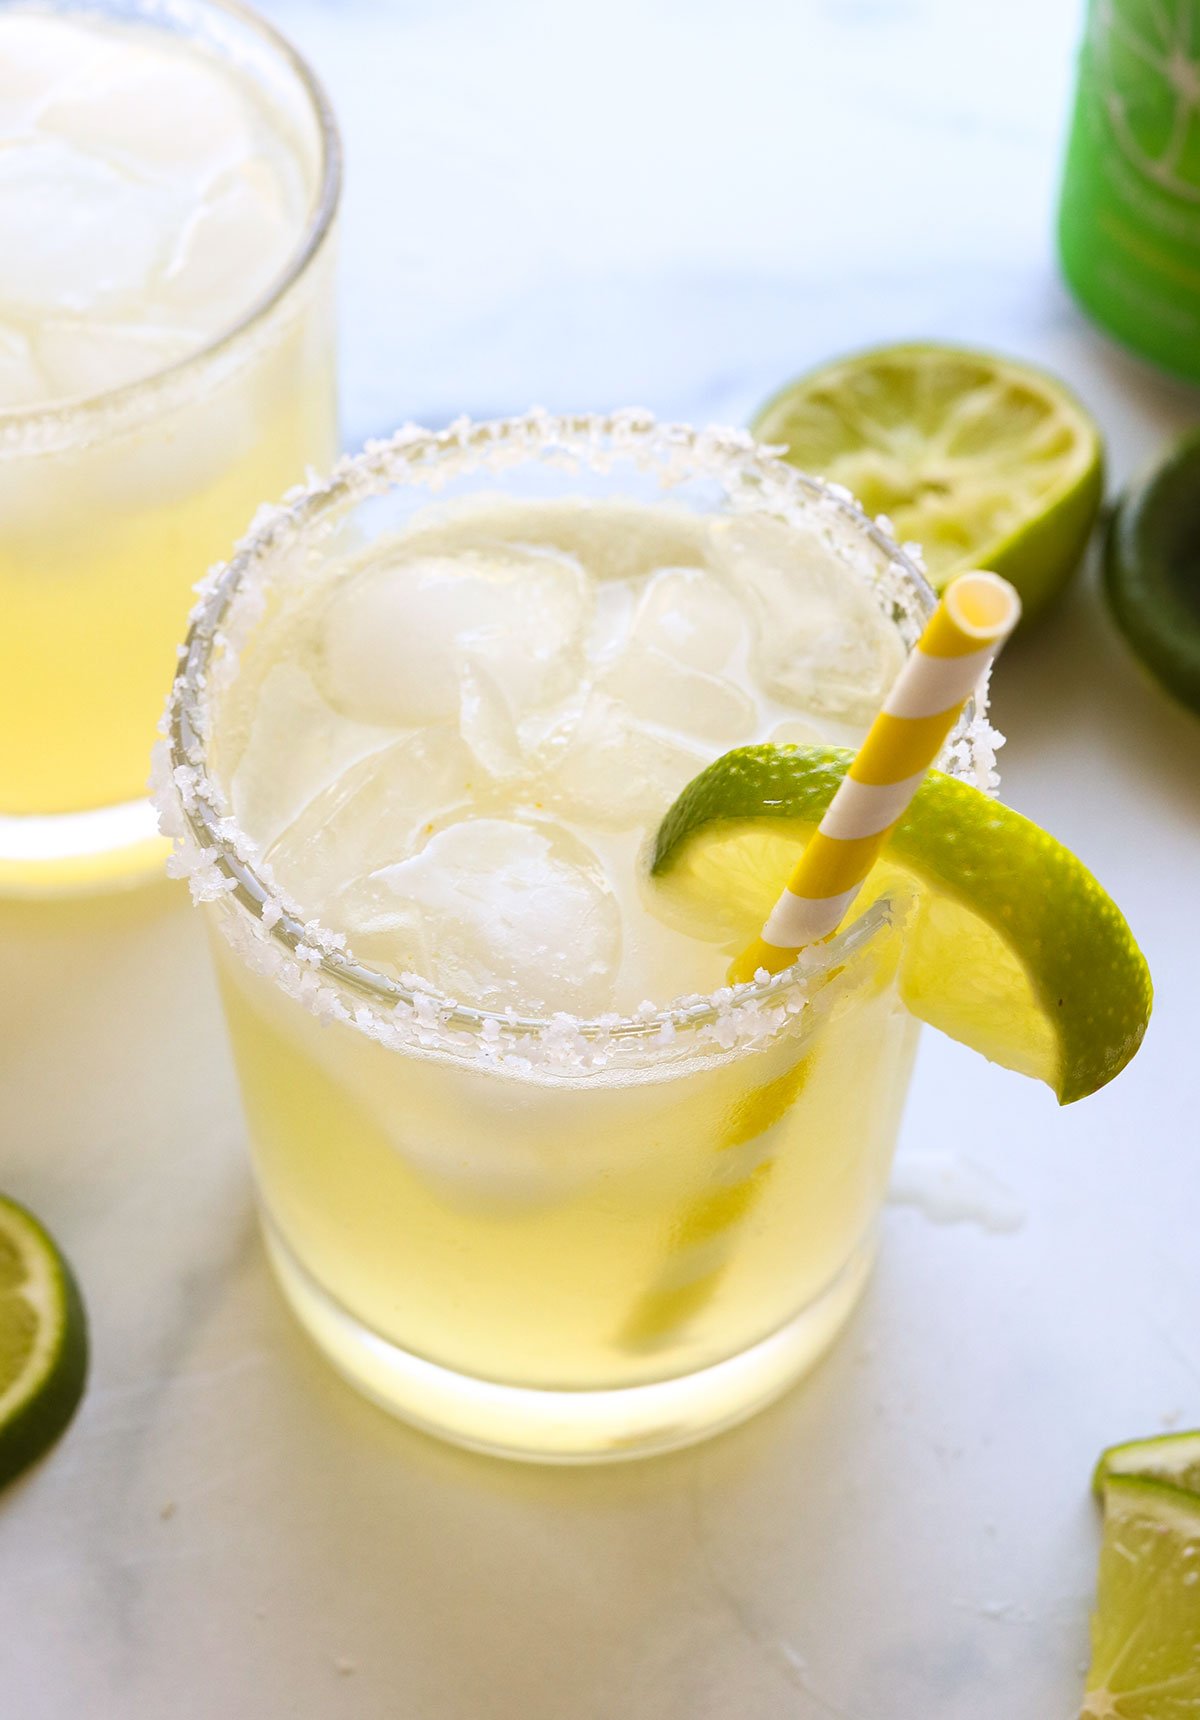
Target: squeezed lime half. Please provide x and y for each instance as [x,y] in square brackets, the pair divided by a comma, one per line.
[982,460]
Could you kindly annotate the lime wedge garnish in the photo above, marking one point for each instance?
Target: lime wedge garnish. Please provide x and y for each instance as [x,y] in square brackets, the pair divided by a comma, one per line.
[1173,1457]
[1152,570]
[983,461]
[1146,1627]
[43,1341]
[1015,949]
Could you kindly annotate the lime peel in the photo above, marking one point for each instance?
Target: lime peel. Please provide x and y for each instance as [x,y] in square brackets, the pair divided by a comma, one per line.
[1015,948]
[1151,577]
[1173,1457]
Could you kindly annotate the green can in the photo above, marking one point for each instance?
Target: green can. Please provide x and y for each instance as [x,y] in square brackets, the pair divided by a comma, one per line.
[1129,221]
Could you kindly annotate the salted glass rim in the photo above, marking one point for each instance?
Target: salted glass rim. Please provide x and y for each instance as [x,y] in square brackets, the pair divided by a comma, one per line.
[20,425]
[219,859]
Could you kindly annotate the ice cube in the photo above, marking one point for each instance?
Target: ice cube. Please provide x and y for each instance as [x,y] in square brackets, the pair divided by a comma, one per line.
[21,380]
[821,641]
[486,718]
[233,245]
[293,747]
[499,913]
[611,540]
[658,689]
[689,614]
[375,812]
[610,770]
[795,732]
[82,356]
[156,105]
[76,233]
[396,635]
[39,58]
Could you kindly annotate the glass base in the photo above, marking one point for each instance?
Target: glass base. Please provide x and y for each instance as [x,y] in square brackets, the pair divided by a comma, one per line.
[566,1426]
[69,853]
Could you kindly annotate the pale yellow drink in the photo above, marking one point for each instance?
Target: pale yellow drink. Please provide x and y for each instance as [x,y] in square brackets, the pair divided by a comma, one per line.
[166,360]
[542,1183]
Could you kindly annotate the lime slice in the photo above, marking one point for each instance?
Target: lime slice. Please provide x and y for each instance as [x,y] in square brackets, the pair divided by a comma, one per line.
[43,1341]
[981,460]
[1014,949]
[1152,570]
[1146,1627]
[1173,1457]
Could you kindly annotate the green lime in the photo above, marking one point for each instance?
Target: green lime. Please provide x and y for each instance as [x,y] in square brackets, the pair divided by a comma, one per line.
[1173,1457]
[1015,949]
[1152,570]
[43,1341]
[1146,1626]
[983,461]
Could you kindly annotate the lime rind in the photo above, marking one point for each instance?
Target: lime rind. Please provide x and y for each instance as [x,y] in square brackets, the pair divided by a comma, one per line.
[39,1400]
[1169,1457]
[1152,570]
[1072,970]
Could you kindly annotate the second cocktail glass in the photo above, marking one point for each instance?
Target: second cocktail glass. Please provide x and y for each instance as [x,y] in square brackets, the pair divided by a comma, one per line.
[171,177]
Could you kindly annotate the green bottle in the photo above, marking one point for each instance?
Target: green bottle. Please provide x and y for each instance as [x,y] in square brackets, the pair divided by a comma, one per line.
[1129,222]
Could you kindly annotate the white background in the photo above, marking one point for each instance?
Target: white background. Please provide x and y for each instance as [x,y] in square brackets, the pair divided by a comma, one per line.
[675,203]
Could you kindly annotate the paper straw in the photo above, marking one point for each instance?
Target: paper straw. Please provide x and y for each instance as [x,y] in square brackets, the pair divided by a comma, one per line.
[975,616]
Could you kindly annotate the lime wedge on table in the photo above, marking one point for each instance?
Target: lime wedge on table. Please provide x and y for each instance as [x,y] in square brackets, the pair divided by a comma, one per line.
[1173,1457]
[1152,570]
[1015,949]
[1146,1627]
[983,461]
[43,1341]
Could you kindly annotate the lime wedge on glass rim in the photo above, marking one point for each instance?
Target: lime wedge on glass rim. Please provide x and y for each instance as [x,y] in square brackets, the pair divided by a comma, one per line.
[1145,1661]
[982,460]
[43,1341]
[1014,948]
[1152,570]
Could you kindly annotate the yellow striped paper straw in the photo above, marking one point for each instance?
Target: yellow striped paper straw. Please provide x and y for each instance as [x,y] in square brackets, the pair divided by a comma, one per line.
[975,616]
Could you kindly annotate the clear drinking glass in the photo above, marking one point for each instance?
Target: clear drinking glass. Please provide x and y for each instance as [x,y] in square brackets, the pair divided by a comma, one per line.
[546,1238]
[112,506]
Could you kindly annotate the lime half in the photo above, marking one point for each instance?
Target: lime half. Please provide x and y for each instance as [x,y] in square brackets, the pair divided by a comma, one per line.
[1173,1457]
[1152,570]
[1146,1627]
[983,461]
[43,1341]
[1015,949]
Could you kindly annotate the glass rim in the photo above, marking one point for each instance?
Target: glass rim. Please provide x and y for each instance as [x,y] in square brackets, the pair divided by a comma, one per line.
[65,414]
[223,861]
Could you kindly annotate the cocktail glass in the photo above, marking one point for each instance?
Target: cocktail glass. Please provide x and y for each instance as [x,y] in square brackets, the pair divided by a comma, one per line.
[113,505]
[543,1236]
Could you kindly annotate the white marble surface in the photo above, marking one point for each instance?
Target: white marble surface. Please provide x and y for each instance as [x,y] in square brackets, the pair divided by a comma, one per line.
[675,204]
